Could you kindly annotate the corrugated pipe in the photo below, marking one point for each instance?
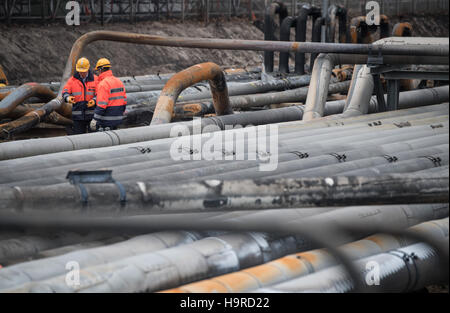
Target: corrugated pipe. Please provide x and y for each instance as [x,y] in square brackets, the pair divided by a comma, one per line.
[197,73]
[269,30]
[16,97]
[36,270]
[305,263]
[31,119]
[400,270]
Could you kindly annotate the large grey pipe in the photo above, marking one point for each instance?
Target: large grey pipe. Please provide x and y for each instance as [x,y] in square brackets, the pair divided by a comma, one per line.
[401,270]
[321,74]
[396,217]
[24,148]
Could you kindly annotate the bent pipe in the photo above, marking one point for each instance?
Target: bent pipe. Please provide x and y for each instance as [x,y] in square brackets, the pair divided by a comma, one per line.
[360,92]
[53,118]
[342,14]
[300,24]
[384,26]
[402,30]
[285,35]
[320,82]
[332,15]
[188,110]
[359,30]
[337,15]
[300,34]
[33,118]
[20,94]
[16,126]
[316,36]
[269,30]
[180,81]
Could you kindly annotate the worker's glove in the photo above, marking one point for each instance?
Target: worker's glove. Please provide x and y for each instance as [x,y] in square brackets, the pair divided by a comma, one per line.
[70,99]
[93,125]
[91,103]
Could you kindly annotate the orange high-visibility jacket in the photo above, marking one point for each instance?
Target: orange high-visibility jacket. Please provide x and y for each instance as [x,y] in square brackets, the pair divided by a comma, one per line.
[83,93]
[111,100]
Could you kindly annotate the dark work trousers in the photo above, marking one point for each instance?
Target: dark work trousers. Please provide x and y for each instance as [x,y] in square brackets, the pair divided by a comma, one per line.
[81,127]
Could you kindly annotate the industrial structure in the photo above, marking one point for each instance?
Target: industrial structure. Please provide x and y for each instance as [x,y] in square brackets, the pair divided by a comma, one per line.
[290,177]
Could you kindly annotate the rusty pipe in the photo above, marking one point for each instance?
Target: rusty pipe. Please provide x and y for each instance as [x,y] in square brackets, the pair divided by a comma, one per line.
[4,94]
[304,263]
[359,31]
[180,81]
[402,30]
[344,73]
[230,44]
[53,118]
[16,97]
[64,109]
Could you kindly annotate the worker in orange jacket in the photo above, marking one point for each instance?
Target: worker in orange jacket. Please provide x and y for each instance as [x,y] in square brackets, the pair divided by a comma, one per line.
[111,99]
[80,91]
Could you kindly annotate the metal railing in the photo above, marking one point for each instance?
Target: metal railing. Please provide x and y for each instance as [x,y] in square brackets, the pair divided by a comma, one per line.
[107,11]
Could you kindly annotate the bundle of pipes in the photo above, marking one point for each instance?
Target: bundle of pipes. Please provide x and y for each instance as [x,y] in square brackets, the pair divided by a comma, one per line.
[433,54]
[213,256]
[407,141]
[277,275]
[9,150]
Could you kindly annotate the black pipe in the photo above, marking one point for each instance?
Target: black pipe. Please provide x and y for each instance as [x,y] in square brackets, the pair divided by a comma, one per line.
[269,30]
[285,35]
[316,35]
[384,27]
[343,36]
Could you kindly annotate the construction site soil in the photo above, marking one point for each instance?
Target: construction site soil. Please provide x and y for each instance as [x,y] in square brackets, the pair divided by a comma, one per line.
[39,52]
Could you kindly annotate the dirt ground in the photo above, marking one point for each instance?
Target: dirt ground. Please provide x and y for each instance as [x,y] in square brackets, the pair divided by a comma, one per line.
[38,53]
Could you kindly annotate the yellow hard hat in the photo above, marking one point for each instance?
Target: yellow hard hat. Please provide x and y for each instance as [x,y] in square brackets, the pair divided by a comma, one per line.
[102,63]
[83,65]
